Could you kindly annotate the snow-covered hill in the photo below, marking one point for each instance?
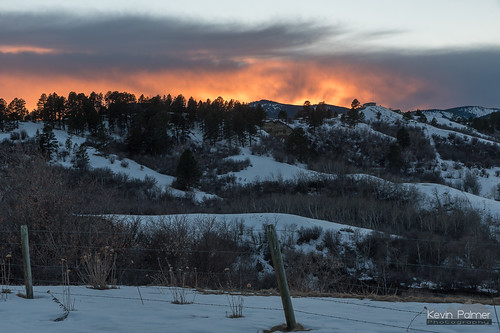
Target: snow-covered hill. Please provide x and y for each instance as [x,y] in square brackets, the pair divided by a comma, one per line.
[464,112]
[265,168]
[273,108]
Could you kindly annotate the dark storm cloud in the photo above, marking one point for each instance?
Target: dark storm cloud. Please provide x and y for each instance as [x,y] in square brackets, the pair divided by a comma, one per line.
[450,78]
[140,42]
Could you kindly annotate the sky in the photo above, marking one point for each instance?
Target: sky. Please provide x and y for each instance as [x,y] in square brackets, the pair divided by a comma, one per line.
[401,54]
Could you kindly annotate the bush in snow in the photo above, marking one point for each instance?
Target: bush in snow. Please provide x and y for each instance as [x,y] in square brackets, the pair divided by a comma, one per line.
[15,136]
[470,183]
[308,234]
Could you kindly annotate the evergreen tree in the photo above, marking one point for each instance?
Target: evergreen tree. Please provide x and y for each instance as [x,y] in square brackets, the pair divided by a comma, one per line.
[317,116]
[81,160]
[354,115]
[395,158]
[355,104]
[3,113]
[16,111]
[403,138]
[187,171]
[47,141]
[298,144]
[282,115]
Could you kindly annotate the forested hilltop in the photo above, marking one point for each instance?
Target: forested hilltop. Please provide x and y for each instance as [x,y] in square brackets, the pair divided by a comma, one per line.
[416,193]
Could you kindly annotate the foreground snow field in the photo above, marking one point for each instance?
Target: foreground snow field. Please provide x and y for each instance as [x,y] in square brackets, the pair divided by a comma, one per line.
[149,309]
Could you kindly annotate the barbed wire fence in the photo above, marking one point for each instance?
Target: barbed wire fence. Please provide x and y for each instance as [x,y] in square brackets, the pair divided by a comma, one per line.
[223,278]
[257,245]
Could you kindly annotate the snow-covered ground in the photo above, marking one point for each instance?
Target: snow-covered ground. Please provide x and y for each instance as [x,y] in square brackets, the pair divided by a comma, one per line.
[446,194]
[264,168]
[149,309]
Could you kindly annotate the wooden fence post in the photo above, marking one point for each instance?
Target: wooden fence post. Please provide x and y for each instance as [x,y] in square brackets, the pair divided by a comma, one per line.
[27,263]
[274,247]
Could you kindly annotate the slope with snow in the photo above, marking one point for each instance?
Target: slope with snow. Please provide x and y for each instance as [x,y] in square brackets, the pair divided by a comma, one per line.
[464,112]
[265,168]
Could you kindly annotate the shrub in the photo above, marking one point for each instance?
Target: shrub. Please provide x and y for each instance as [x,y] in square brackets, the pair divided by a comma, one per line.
[470,183]
[15,136]
[99,269]
[308,234]
[331,241]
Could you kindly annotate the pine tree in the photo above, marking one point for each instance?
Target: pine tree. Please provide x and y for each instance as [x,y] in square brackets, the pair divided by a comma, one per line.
[81,160]
[403,137]
[187,171]
[354,115]
[48,142]
[297,144]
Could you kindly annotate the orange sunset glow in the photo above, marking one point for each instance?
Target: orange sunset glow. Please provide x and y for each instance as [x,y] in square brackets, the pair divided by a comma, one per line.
[14,49]
[207,55]
[287,82]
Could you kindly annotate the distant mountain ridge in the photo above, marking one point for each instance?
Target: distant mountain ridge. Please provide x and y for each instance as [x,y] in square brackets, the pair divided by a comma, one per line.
[465,112]
[273,108]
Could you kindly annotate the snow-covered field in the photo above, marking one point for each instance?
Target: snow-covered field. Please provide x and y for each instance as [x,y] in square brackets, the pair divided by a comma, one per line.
[149,309]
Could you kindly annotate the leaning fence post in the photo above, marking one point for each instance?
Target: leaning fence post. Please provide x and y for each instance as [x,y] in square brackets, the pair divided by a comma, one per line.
[26,259]
[274,248]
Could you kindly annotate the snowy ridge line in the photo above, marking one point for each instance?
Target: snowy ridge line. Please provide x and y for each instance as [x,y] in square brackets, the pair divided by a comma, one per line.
[255,308]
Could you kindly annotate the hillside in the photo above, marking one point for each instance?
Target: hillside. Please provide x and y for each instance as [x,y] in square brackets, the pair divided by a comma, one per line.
[385,201]
[464,112]
[273,108]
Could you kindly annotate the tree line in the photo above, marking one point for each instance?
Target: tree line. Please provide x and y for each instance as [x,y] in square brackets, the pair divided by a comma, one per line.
[151,124]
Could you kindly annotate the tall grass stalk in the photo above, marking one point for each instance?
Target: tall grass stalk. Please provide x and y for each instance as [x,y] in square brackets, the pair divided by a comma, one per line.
[5,279]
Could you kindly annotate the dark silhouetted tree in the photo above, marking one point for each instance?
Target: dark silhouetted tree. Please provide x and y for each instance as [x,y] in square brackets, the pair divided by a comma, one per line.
[395,158]
[354,115]
[282,115]
[47,141]
[16,111]
[81,160]
[187,171]
[355,104]
[3,114]
[297,144]
[403,137]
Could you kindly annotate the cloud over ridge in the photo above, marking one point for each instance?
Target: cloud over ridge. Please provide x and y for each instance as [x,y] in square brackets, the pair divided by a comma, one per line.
[288,61]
